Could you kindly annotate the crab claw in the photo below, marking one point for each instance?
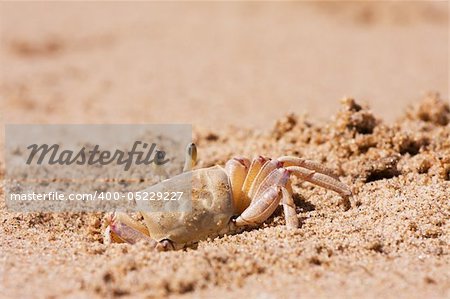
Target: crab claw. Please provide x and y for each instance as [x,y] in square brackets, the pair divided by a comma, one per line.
[121,228]
[108,235]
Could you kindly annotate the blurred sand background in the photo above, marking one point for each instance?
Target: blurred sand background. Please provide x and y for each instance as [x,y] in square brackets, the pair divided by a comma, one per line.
[216,64]
[235,70]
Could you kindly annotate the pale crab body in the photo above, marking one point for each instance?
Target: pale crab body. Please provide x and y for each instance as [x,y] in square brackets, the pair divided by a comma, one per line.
[208,191]
[221,201]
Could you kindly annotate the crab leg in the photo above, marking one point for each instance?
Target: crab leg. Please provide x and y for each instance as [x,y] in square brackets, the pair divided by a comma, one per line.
[123,228]
[253,171]
[324,181]
[236,169]
[263,173]
[260,209]
[308,164]
[321,180]
[289,209]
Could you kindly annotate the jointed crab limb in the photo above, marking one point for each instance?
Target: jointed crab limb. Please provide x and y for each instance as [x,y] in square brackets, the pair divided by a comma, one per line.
[123,227]
[261,209]
[236,169]
[324,181]
[321,180]
[290,214]
[308,164]
[267,199]
[277,177]
[266,169]
[253,171]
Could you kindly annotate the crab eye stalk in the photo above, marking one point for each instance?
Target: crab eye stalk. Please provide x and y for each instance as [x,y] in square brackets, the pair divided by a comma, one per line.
[191,157]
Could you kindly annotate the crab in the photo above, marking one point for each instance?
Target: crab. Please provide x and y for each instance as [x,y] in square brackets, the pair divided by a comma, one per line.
[224,200]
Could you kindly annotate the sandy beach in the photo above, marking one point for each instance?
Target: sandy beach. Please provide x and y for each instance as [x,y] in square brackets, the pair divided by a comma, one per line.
[359,87]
